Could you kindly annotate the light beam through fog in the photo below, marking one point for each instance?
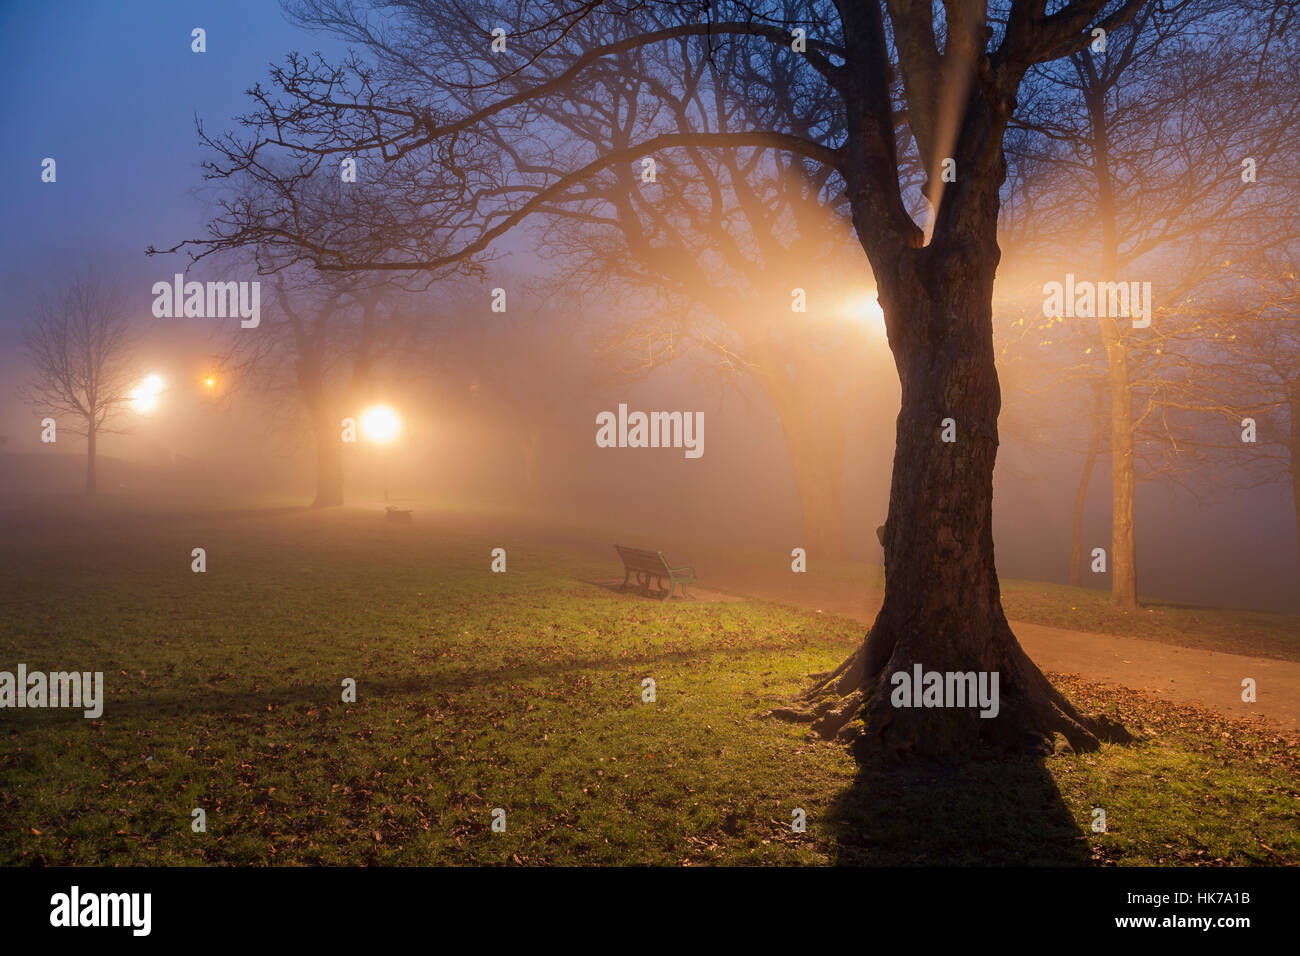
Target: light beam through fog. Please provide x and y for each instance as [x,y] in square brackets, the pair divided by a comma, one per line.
[380,424]
[146,396]
[865,308]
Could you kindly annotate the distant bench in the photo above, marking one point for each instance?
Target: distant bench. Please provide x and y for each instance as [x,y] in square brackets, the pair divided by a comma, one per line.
[647,565]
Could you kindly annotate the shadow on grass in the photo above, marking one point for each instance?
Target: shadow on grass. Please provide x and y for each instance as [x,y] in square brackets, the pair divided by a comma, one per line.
[208,698]
[633,590]
[1004,812]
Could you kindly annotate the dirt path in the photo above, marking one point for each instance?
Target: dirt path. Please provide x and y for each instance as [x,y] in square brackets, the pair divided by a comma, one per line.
[1184,674]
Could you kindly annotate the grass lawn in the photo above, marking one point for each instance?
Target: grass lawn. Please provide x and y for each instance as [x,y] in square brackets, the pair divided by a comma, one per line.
[1251,633]
[520,691]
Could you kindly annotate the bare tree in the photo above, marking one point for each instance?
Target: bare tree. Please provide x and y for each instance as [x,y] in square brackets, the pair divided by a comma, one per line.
[437,83]
[1140,143]
[327,333]
[511,376]
[80,345]
[1268,364]
[716,247]
[1248,394]
[315,355]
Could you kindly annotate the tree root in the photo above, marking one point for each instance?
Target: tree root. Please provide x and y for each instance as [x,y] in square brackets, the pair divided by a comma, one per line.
[853,704]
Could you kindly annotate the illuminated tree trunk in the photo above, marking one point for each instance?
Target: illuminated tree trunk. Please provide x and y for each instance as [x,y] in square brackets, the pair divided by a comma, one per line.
[1295,488]
[325,432]
[1123,465]
[329,462]
[942,608]
[1123,475]
[1294,450]
[91,438]
[1076,530]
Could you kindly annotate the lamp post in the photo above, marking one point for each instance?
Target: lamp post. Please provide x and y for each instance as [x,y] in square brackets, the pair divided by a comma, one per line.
[381,425]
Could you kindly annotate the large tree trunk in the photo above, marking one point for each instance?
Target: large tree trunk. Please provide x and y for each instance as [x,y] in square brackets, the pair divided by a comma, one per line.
[90,459]
[329,462]
[1095,427]
[942,606]
[328,438]
[1123,475]
[1294,449]
[1076,528]
[325,426]
[1295,487]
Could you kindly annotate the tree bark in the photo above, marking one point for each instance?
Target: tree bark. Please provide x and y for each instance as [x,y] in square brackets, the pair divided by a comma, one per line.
[943,602]
[325,432]
[1123,465]
[1295,489]
[1076,530]
[329,462]
[91,438]
[1294,450]
[1123,476]
[942,608]
[311,338]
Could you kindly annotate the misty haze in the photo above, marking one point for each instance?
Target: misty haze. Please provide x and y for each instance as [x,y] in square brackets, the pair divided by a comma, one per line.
[676,433]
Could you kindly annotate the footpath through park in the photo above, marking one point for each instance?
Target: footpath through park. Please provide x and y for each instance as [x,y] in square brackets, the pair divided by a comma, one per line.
[1187,675]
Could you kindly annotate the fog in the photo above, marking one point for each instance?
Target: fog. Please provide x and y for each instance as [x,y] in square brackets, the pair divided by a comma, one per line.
[500,409]
[462,443]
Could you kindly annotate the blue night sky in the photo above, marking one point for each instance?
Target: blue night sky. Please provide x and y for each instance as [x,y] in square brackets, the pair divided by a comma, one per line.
[111,91]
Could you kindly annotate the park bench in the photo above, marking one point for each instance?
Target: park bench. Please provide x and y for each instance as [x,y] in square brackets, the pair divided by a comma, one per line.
[647,565]
[398,514]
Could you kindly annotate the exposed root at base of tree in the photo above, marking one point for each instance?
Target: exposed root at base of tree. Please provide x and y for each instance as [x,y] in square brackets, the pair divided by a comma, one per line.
[854,704]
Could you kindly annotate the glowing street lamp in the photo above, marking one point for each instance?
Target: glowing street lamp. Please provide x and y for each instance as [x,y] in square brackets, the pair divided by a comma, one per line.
[380,424]
[865,308]
[144,397]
